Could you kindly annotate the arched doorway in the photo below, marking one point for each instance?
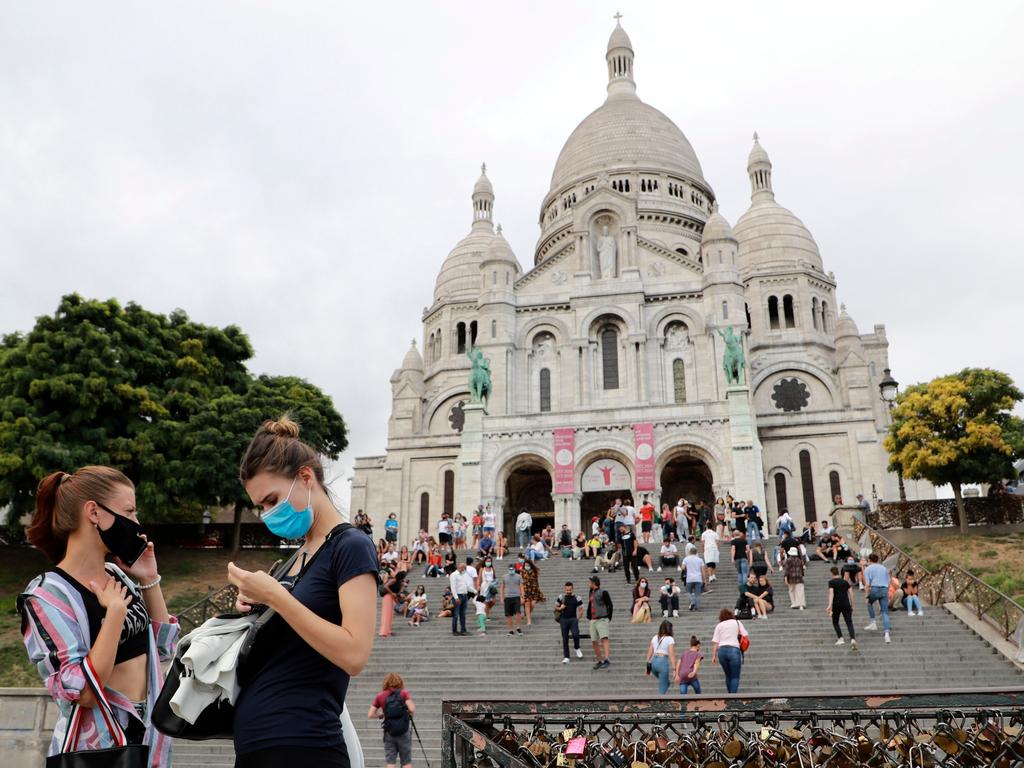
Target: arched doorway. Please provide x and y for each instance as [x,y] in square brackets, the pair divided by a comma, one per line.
[603,481]
[528,487]
[686,477]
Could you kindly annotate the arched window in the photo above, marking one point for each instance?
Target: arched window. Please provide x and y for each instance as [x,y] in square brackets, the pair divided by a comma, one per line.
[725,308]
[472,334]
[610,358]
[460,338]
[814,312]
[787,311]
[833,484]
[545,390]
[824,316]
[679,380]
[807,484]
[494,329]
[425,511]
[746,311]
[449,492]
[781,501]
[773,313]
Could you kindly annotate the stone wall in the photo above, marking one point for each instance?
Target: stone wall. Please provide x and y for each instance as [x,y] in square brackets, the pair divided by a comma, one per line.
[27,717]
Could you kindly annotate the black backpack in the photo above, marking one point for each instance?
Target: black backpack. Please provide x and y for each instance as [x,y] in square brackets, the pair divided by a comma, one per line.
[396,716]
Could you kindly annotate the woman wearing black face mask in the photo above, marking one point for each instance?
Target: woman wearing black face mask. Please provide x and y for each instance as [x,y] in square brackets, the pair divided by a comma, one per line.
[90,622]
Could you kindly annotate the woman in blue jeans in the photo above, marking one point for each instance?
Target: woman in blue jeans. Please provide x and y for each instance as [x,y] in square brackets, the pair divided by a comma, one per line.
[661,656]
[726,641]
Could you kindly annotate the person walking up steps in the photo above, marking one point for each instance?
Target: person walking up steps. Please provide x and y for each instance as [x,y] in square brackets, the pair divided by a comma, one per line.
[877,577]
[793,571]
[740,555]
[696,576]
[839,604]
[569,610]
[661,656]
[395,708]
[726,643]
[599,613]
[511,598]
[689,668]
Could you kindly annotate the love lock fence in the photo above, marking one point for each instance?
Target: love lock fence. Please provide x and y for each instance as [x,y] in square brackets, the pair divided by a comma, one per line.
[922,729]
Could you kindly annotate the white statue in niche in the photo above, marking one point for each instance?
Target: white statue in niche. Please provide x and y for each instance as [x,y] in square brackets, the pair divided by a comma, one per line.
[676,337]
[606,251]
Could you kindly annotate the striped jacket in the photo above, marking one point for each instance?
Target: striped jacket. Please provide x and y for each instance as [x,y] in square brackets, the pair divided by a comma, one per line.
[55,629]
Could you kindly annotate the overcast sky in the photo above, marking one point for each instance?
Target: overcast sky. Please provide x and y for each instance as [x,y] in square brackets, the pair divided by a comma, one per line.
[302,170]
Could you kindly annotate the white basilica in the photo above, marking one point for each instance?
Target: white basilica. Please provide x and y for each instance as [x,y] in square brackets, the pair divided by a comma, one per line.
[606,356]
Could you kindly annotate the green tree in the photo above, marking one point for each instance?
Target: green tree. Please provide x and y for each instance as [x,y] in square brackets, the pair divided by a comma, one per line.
[957,429]
[167,400]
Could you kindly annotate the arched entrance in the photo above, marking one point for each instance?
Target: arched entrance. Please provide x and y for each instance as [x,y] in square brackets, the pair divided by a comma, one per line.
[688,477]
[603,481]
[528,487]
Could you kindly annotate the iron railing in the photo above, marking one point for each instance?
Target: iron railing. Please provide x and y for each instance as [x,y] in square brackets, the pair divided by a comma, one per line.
[987,510]
[888,729]
[949,584]
[217,601]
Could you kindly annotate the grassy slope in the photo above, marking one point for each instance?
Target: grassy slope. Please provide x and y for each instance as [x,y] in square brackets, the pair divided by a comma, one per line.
[998,560]
[187,575]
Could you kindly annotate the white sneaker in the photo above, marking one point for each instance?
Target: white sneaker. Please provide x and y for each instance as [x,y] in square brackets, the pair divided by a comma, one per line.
[664,614]
[853,645]
[675,614]
[659,569]
[802,607]
[920,613]
[713,578]
[840,641]
[579,654]
[565,660]
[887,638]
[873,626]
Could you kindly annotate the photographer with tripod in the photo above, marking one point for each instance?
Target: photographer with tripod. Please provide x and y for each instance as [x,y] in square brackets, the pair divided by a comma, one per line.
[395,708]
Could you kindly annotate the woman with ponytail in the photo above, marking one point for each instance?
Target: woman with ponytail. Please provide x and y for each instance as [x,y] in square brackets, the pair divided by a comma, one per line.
[89,622]
[287,712]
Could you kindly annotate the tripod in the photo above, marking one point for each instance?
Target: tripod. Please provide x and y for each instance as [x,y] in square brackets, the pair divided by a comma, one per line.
[412,722]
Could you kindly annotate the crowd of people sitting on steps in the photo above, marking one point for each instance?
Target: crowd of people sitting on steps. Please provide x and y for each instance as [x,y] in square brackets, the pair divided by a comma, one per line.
[685,544]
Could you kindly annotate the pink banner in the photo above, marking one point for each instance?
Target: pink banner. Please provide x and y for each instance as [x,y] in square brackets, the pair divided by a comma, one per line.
[565,460]
[643,441]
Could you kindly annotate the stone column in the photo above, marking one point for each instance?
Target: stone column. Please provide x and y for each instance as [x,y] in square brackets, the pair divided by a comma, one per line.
[567,510]
[467,465]
[747,465]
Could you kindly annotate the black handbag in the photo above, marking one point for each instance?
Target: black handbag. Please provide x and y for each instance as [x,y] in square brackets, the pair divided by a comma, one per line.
[124,755]
[263,633]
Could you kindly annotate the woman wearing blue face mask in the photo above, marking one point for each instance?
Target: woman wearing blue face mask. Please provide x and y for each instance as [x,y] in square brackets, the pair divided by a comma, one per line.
[288,710]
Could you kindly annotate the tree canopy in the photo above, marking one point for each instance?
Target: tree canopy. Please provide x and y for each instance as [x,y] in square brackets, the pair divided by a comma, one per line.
[168,401]
[957,429]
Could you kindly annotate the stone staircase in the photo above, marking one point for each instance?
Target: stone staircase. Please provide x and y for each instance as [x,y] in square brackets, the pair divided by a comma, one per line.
[791,651]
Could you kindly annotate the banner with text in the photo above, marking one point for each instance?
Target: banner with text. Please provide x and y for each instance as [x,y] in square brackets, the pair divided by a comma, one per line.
[643,441]
[565,460]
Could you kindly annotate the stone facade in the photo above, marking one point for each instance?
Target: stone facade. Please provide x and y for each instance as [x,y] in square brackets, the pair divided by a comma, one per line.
[620,322]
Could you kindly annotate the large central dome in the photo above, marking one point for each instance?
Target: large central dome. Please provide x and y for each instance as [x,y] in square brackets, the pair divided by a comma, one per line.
[624,133]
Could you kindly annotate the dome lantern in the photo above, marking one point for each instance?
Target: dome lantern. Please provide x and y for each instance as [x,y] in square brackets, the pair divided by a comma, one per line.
[760,169]
[620,62]
[483,201]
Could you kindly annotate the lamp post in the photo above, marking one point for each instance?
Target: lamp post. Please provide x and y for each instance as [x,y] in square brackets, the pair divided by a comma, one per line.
[888,387]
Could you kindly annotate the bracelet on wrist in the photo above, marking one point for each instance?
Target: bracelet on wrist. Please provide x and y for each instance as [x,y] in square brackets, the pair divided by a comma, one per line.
[152,584]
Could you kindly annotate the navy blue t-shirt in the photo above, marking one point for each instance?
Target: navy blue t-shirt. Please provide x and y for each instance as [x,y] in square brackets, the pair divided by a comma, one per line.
[297,698]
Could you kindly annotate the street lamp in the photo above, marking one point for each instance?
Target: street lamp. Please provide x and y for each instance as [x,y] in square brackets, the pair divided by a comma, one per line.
[888,387]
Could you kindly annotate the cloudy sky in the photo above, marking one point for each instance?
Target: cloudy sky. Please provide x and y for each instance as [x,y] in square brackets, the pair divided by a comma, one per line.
[302,170]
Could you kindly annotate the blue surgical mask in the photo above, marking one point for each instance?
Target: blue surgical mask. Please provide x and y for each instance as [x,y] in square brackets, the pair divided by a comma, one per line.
[287,522]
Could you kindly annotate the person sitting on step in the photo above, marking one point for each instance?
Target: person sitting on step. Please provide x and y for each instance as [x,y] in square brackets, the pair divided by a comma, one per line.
[669,598]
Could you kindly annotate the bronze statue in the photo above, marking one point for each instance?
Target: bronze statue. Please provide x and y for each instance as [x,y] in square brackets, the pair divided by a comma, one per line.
[479,376]
[732,362]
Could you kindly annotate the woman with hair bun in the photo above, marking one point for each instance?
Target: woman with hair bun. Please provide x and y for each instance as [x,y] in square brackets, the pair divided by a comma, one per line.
[288,712]
[87,622]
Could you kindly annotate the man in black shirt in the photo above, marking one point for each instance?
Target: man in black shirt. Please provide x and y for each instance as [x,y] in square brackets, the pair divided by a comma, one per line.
[853,573]
[839,605]
[569,609]
[840,549]
[629,559]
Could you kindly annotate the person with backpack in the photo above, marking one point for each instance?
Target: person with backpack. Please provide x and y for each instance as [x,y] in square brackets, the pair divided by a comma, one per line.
[599,613]
[395,708]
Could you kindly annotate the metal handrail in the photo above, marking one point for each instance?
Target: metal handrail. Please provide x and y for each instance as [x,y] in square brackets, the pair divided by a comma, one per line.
[952,584]
[216,601]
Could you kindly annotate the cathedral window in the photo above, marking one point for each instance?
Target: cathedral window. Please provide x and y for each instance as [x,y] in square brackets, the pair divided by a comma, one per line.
[833,484]
[781,502]
[682,251]
[746,311]
[787,311]
[824,316]
[472,334]
[773,313]
[449,492]
[460,338]
[807,485]
[814,312]
[679,380]
[494,329]
[545,390]
[725,310]
[425,511]
[610,358]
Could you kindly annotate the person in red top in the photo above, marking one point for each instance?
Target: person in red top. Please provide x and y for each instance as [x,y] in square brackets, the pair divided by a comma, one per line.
[388,706]
[646,520]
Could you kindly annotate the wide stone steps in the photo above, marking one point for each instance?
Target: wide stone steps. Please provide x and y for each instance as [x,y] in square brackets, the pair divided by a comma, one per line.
[792,651]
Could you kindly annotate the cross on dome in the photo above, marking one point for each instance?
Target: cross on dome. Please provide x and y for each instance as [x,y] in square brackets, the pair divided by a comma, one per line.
[617,17]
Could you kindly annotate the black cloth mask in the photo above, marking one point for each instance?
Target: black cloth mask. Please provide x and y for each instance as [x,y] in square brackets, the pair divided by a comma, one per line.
[123,538]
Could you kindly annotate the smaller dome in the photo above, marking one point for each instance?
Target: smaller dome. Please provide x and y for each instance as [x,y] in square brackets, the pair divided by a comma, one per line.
[619,38]
[717,228]
[500,250]
[483,184]
[845,327]
[459,278]
[413,361]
